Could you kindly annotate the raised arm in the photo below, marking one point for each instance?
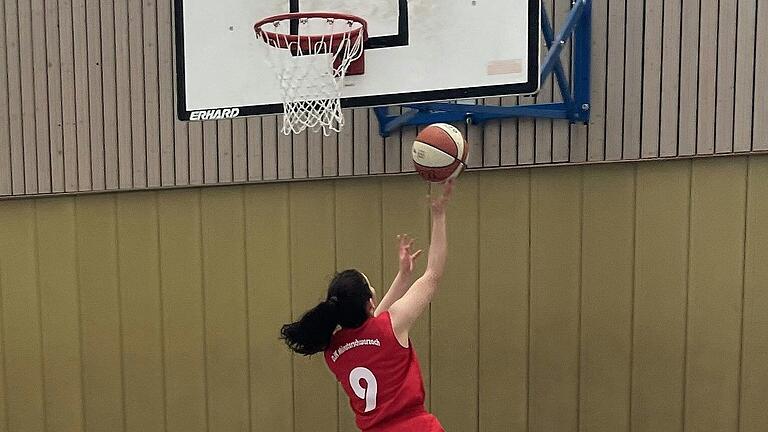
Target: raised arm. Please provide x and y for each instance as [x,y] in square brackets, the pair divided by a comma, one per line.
[407,310]
[404,275]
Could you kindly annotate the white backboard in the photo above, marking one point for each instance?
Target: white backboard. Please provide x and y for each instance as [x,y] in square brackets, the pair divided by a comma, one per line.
[418,51]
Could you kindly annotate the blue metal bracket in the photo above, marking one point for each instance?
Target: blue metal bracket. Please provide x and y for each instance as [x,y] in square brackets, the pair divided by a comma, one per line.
[576,102]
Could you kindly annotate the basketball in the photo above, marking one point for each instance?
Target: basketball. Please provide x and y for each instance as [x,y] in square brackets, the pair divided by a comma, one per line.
[439,152]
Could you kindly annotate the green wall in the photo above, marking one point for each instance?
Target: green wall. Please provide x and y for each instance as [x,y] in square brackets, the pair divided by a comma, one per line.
[592,298]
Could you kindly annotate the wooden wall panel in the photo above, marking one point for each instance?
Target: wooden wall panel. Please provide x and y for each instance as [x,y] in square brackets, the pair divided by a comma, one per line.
[660,296]
[754,348]
[141,311]
[91,102]
[60,314]
[184,336]
[715,291]
[600,298]
[312,242]
[269,306]
[607,288]
[101,326]
[226,302]
[22,335]
[504,212]
[556,203]
[454,379]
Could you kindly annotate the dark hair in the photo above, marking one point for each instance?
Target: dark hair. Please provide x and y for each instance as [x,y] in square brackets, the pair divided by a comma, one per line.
[345,305]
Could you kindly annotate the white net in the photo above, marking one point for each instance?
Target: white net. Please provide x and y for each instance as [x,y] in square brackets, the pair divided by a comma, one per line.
[311,57]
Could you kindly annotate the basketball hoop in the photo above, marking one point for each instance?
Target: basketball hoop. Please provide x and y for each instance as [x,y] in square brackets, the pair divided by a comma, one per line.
[311,54]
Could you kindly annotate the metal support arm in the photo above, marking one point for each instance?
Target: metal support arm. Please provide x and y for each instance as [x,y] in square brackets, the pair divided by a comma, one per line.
[575,106]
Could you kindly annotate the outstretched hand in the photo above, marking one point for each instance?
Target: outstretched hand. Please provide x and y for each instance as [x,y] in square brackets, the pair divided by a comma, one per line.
[439,203]
[407,258]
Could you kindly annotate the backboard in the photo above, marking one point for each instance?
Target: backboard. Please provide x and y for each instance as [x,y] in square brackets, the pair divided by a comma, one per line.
[417,51]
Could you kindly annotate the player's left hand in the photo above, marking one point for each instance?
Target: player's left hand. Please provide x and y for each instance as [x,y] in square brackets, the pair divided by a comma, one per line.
[407,258]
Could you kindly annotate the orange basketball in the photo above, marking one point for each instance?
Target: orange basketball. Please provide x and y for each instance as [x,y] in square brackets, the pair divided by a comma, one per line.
[439,152]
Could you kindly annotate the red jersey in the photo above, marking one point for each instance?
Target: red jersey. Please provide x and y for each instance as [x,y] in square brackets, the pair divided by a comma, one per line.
[382,379]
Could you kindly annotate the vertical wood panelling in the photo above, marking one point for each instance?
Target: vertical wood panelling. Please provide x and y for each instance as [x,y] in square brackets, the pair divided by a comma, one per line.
[27,105]
[754,354]
[404,211]
[312,265]
[652,78]
[504,212]
[726,76]
[5,137]
[561,131]
[166,89]
[633,79]
[284,147]
[358,209]
[392,150]
[40,69]
[135,19]
[607,252]
[760,132]
[181,281]
[300,156]
[554,299]
[689,75]
[140,309]
[269,147]
[123,85]
[454,377]
[210,153]
[491,139]
[151,91]
[240,147]
[715,295]
[225,300]
[54,96]
[225,160]
[360,147]
[542,150]
[669,116]
[254,149]
[509,136]
[269,306]
[598,81]
[707,76]
[195,143]
[59,312]
[94,85]
[316,154]
[109,95]
[615,80]
[661,262]
[100,313]
[96,101]
[12,55]
[745,75]
[22,351]
[82,101]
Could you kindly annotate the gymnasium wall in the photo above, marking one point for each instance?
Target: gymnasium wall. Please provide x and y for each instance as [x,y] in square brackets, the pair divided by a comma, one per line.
[591,298]
[87,101]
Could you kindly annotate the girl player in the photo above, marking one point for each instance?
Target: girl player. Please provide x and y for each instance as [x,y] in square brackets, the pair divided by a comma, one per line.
[366,345]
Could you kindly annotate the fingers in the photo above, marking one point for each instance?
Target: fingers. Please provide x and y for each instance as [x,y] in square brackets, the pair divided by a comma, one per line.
[416,254]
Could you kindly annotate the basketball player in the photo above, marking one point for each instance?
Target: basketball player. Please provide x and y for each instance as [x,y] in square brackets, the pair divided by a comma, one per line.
[366,345]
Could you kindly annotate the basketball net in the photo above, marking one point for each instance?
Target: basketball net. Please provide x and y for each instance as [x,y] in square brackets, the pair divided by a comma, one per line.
[310,65]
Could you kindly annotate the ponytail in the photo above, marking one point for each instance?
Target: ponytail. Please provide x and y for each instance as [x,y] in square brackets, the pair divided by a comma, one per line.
[348,296]
[312,333]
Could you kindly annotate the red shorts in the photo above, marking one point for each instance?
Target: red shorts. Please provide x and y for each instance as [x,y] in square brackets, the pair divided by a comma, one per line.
[422,423]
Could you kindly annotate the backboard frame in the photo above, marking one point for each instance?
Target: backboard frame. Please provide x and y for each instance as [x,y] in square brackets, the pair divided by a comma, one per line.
[530,87]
